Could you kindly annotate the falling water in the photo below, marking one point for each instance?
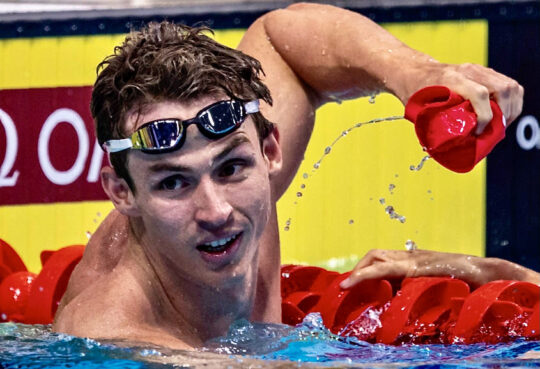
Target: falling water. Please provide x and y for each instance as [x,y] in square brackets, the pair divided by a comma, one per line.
[410,245]
[420,165]
[329,148]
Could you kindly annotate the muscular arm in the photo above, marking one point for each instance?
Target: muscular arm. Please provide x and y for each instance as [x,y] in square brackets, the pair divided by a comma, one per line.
[315,53]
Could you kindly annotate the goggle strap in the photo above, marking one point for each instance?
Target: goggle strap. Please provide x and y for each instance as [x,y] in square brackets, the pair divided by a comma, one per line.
[252,106]
[117,145]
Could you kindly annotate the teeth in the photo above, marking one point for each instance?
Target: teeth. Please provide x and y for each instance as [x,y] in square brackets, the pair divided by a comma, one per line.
[221,242]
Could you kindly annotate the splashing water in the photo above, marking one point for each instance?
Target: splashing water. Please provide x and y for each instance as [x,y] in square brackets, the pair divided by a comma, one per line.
[410,245]
[328,149]
[35,346]
[287,225]
[393,215]
[420,165]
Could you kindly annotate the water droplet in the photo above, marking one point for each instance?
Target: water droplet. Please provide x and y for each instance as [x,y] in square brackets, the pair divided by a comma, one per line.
[351,221]
[302,186]
[317,165]
[505,243]
[88,234]
[299,194]
[391,187]
[393,215]
[372,98]
[396,175]
[428,191]
[98,214]
[420,165]
[327,150]
[287,224]
[323,52]
[305,176]
[382,200]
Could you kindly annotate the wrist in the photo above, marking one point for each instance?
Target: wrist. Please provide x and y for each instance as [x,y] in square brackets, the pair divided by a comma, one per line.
[416,73]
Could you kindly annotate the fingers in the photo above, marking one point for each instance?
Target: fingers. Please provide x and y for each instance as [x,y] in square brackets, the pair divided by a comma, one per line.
[510,100]
[397,269]
[478,95]
[371,257]
[478,84]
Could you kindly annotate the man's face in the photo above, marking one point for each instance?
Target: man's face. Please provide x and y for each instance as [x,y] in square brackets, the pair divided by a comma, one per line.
[199,211]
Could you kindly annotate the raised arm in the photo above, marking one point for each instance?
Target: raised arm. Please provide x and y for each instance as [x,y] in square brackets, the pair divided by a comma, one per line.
[315,53]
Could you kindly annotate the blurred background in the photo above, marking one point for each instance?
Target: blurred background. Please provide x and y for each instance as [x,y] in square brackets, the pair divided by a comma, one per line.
[50,195]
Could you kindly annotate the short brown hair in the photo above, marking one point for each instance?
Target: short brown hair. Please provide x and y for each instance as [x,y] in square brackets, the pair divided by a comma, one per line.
[163,62]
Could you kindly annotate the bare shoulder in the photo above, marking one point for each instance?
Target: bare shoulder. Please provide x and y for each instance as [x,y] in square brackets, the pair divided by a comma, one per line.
[96,313]
[101,255]
[114,307]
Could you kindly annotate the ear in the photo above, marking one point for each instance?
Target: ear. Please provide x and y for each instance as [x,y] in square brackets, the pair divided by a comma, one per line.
[272,152]
[119,192]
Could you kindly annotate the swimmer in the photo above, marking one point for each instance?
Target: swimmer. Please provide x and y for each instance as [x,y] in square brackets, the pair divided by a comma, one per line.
[193,244]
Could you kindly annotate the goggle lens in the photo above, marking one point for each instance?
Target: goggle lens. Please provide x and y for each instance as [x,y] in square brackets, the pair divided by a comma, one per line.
[158,135]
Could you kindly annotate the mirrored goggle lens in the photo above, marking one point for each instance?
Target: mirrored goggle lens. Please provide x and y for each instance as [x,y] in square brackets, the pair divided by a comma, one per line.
[222,117]
[158,135]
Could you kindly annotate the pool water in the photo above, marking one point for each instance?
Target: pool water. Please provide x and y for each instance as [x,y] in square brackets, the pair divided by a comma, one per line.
[255,345]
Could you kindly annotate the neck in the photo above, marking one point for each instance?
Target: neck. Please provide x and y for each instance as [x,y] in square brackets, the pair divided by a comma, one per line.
[190,309]
[267,306]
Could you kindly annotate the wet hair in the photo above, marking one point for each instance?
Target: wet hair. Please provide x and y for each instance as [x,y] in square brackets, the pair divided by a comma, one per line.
[169,62]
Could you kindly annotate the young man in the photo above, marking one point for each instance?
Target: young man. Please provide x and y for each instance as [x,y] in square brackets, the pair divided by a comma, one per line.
[194,243]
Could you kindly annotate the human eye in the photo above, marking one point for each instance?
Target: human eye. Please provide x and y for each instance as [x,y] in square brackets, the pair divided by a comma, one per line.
[172,183]
[233,168]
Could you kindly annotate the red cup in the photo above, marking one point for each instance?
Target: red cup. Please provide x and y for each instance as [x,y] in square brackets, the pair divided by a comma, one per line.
[445,124]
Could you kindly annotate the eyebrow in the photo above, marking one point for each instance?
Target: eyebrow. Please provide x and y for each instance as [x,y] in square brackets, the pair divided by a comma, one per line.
[233,144]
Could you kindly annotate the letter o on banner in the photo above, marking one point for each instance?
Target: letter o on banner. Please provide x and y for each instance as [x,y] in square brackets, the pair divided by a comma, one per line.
[534,140]
[70,175]
[12,145]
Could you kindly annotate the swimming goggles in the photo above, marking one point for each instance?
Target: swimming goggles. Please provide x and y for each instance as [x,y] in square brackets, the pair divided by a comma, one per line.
[164,135]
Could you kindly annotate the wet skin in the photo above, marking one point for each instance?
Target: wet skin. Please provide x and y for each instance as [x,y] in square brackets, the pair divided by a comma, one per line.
[195,217]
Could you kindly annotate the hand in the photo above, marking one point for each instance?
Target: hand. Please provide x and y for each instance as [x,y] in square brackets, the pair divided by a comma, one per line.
[477,84]
[401,264]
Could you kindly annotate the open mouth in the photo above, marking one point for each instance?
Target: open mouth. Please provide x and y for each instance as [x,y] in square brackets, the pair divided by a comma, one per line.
[219,246]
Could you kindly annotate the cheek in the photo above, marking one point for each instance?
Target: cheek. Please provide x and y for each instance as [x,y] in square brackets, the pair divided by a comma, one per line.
[163,218]
[255,198]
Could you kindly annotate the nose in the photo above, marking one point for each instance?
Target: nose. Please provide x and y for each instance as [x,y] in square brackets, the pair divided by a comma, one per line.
[212,209]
